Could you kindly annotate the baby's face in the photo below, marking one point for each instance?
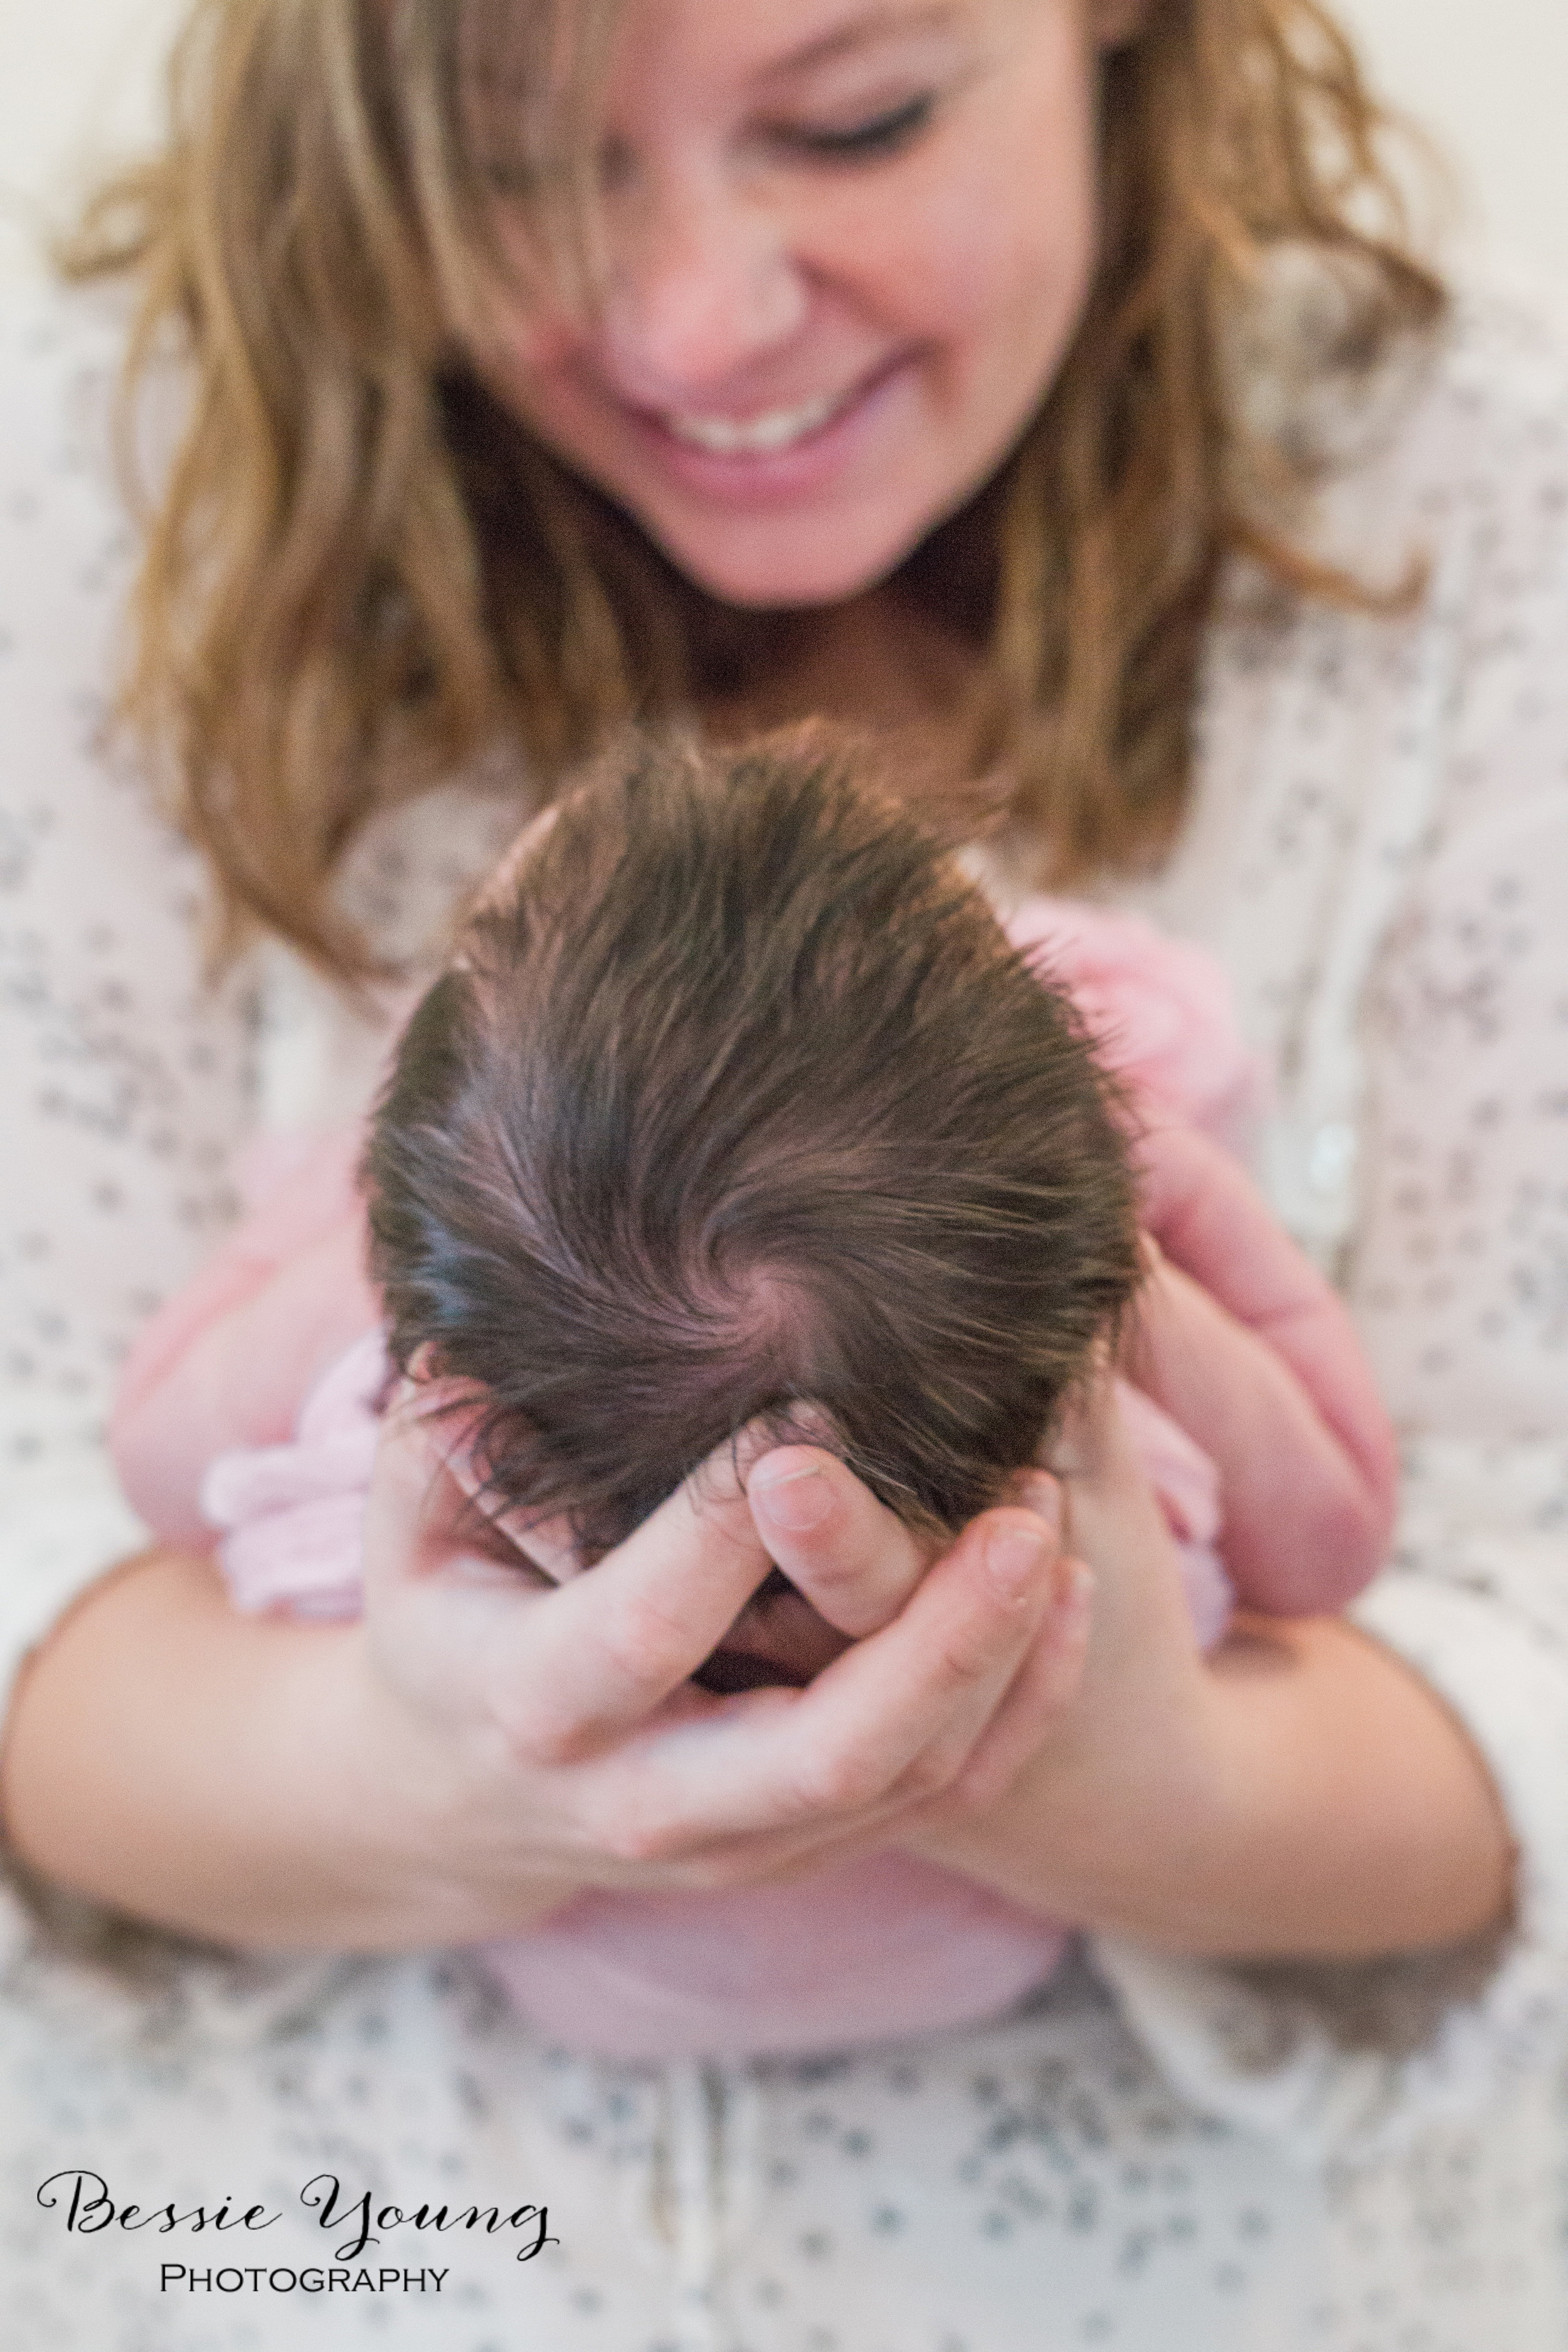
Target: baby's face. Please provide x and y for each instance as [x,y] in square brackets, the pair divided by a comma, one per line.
[778,1637]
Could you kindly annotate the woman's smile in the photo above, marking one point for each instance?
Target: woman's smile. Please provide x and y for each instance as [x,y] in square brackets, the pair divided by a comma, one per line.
[755,459]
[844,251]
[757,437]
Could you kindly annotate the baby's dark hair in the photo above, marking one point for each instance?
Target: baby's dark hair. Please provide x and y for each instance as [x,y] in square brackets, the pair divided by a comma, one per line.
[737,1099]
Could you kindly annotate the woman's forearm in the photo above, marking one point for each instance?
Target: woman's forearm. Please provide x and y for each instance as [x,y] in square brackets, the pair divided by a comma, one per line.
[1302,1794]
[227,1777]
[1318,1800]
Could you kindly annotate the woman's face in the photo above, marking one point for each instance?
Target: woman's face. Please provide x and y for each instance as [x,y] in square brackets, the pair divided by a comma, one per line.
[848,242]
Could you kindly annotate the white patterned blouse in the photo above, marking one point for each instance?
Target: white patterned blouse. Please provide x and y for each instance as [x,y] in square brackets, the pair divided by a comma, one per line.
[1156,2154]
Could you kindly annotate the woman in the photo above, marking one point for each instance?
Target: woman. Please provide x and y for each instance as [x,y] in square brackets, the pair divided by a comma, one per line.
[1013,374]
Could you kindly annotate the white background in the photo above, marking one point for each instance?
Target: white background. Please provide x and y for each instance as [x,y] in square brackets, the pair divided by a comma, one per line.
[79,82]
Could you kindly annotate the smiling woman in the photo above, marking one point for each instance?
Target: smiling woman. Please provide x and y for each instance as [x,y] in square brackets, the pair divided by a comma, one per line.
[456,474]
[1049,389]
[839,269]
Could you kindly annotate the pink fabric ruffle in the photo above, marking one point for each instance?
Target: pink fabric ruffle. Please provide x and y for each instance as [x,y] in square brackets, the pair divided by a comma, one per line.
[1163,1019]
[1159,1010]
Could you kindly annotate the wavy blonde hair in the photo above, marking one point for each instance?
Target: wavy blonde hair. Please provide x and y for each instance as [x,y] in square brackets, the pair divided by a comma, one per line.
[360,571]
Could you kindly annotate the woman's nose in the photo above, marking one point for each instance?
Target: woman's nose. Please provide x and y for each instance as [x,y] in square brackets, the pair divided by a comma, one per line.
[703,286]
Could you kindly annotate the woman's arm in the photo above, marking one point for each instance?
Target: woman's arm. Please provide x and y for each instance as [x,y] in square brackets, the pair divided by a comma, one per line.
[231,1358]
[259,1782]
[1300,1793]
[221,1775]
[477,1748]
[126,1078]
[1323,1804]
[1245,1345]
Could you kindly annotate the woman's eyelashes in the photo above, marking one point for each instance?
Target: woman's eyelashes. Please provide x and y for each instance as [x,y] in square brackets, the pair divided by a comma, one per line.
[524,179]
[864,142]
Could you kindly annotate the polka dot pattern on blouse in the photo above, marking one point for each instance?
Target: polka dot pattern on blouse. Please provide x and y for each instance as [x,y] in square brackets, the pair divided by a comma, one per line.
[1161,2151]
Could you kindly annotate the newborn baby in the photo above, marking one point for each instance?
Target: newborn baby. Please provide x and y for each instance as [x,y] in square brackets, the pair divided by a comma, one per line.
[737,1104]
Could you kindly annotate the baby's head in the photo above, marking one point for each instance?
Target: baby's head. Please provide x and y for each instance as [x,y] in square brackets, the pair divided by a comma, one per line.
[734,1101]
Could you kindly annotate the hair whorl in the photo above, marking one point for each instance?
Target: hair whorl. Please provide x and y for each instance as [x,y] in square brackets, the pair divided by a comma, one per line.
[739,1100]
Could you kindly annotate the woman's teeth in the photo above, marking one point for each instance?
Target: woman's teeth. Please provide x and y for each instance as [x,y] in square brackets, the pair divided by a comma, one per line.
[735,437]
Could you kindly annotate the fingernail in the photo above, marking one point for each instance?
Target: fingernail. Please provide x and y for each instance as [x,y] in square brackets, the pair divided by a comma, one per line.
[797,1502]
[1014,1553]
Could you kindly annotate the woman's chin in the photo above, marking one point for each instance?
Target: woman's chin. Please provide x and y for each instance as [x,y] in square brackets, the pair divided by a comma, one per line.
[764,570]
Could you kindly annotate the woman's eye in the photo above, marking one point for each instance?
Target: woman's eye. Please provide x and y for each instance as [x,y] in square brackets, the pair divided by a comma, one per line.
[882,135]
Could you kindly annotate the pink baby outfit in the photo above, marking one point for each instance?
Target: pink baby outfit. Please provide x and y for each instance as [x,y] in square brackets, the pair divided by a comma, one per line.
[879,1947]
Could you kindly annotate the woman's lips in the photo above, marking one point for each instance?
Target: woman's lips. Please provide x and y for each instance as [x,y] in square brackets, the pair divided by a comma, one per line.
[756,436]
[776,453]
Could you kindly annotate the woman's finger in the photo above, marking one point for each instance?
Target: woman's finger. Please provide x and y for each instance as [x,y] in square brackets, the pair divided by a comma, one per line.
[1211,1221]
[434,1604]
[606,1649]
[851,1740]
[1021,1694]
[1142,1645]
[919,1695]
[450,1411]
[1039,1695]
[651,1849]
[561,1670]
[854,1563]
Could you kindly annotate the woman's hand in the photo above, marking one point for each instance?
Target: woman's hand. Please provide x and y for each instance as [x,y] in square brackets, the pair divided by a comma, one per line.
[1240,1340]
[548,1738]
[475,1748]
[1300,1793]
[461,1761]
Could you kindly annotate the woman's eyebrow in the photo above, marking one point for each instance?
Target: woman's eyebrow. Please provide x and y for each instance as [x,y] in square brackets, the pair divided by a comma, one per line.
[873,24]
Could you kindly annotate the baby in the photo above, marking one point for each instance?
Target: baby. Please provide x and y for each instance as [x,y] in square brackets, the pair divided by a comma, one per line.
[736,1097]
[737,1104]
